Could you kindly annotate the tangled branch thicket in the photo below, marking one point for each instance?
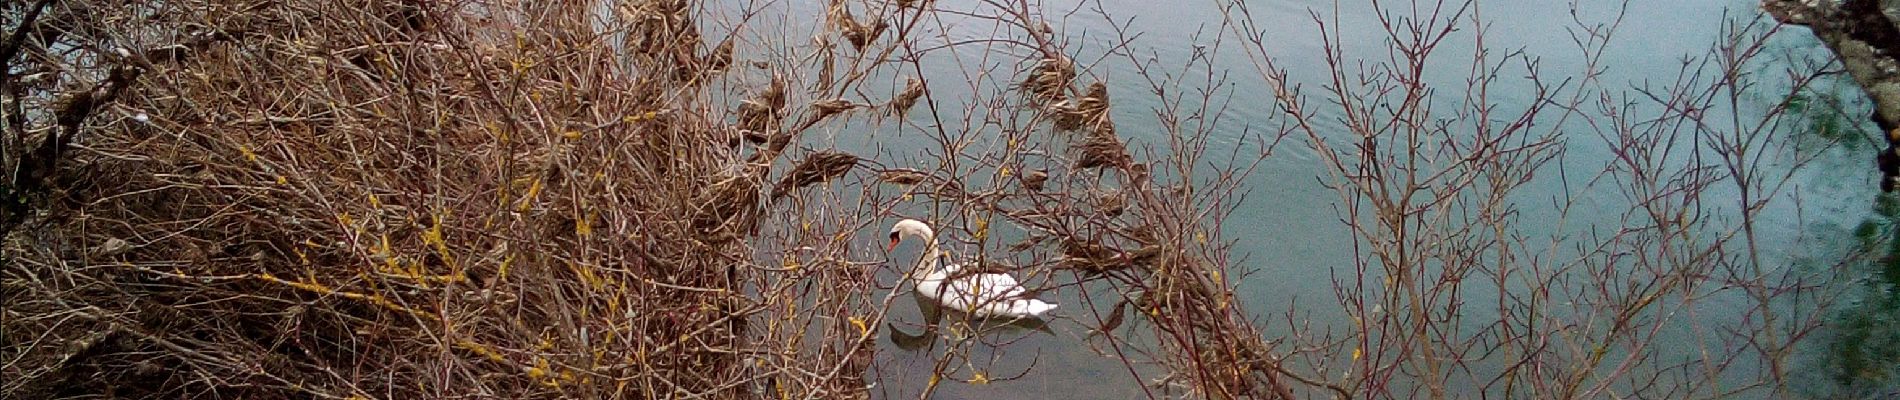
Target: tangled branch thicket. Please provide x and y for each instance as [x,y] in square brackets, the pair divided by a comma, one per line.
[396,199]
[645,199]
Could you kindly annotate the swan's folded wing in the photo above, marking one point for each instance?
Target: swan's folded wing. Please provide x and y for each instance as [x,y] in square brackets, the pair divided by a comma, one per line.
[1004,285]
[985,288]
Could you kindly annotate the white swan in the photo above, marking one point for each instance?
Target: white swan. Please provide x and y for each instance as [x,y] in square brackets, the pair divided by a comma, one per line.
[983,295]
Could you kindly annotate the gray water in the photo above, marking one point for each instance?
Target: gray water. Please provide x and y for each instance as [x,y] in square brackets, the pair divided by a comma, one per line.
[1287,228]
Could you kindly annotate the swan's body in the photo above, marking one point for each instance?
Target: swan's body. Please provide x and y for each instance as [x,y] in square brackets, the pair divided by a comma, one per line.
[983,295]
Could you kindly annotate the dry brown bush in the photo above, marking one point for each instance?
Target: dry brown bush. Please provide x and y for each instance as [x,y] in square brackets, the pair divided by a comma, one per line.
[383,199]
[404,199]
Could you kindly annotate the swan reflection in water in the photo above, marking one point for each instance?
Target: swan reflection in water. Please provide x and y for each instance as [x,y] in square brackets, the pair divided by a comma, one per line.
[934,316]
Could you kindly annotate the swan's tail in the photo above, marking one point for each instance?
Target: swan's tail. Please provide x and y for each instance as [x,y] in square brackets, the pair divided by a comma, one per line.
[1032,307]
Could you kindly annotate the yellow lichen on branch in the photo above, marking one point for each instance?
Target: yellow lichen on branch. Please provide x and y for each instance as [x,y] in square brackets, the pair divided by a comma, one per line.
[311,285]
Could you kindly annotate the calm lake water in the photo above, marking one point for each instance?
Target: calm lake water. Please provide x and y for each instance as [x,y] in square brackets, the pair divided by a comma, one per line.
[1287,227]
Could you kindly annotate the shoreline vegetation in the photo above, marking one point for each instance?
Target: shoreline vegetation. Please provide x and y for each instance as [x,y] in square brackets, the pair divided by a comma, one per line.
[391,199]
[346,199]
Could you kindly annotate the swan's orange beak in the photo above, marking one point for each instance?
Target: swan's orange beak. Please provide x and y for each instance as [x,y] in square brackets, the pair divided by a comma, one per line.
[893,245]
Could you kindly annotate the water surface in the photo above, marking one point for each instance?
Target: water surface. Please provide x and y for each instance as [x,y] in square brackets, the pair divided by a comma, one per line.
[1287,228]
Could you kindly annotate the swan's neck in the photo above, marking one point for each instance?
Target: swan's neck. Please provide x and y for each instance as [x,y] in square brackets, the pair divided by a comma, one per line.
[932,259]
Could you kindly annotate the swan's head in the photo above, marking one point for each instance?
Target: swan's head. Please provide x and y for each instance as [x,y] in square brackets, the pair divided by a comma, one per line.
[908,227]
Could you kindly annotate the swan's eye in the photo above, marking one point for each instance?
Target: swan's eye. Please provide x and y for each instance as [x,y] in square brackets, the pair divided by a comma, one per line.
[893,236]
